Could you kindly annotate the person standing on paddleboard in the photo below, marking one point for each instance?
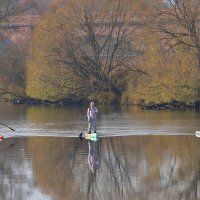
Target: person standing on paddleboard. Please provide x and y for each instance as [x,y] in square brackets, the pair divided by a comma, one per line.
[92,115]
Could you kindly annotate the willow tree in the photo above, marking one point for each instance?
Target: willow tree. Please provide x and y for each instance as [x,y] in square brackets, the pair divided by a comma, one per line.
[44,79]
[90,39]
[98,47]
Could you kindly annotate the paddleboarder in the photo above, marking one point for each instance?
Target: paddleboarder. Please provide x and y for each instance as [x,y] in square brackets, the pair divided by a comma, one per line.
[92,115]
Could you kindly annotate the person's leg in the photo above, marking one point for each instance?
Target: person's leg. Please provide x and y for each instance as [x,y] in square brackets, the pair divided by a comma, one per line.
[89,127]
[94,125]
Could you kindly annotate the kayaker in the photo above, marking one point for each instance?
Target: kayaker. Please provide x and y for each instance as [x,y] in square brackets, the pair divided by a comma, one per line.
[92,115]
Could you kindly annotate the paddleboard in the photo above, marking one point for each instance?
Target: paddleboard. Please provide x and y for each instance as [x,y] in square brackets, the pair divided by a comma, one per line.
[92,136]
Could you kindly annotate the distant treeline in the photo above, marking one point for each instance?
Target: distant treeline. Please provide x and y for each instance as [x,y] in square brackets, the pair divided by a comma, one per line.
[115,51]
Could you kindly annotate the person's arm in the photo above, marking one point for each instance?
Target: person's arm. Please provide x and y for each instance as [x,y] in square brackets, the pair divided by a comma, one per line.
[95,111]
[88,114]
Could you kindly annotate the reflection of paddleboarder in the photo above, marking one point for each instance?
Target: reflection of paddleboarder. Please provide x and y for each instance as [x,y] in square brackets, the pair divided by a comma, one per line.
[94,159]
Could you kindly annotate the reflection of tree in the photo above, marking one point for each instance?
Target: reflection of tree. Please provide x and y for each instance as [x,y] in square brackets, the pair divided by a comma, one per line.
[174,169]
[140,167]
[191,192]
[57,118]
[15,182]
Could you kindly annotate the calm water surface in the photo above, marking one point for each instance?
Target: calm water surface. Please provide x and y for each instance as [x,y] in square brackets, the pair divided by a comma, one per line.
[156,157]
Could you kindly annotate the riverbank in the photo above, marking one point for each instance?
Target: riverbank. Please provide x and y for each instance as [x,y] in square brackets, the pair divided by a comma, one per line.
[38,102]
[172,105]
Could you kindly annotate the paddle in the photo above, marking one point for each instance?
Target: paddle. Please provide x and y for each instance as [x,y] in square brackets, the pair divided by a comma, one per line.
[80,135]
[7,127]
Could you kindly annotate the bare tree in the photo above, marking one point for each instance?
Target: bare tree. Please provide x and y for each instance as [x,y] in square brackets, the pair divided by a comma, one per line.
[12,58]
[178,24]
[99,48]
[13,7]
[7,8]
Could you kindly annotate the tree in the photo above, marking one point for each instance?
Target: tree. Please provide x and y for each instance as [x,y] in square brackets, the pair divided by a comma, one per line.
[12,57]
[169,75]
[7,8]
[93,44]
[97,44]
[13,7]
[44,79]
[12,69]
[178,24]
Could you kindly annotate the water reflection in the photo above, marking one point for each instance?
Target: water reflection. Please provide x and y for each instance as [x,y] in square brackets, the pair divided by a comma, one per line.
[94,156]
[15,183]
[148,167]
[6,144]
[131,167]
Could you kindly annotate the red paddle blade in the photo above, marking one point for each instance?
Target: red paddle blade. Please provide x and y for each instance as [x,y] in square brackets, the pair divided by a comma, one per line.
[1,138]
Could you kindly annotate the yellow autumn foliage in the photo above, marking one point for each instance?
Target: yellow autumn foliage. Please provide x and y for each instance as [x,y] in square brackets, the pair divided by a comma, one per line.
[45,79]
[167,76]
[171,76]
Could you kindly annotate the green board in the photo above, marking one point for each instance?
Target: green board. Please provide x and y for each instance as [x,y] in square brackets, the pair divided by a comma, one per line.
[92,136]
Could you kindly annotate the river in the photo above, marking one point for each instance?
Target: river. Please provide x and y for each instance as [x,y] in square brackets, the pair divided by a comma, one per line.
[140,154]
